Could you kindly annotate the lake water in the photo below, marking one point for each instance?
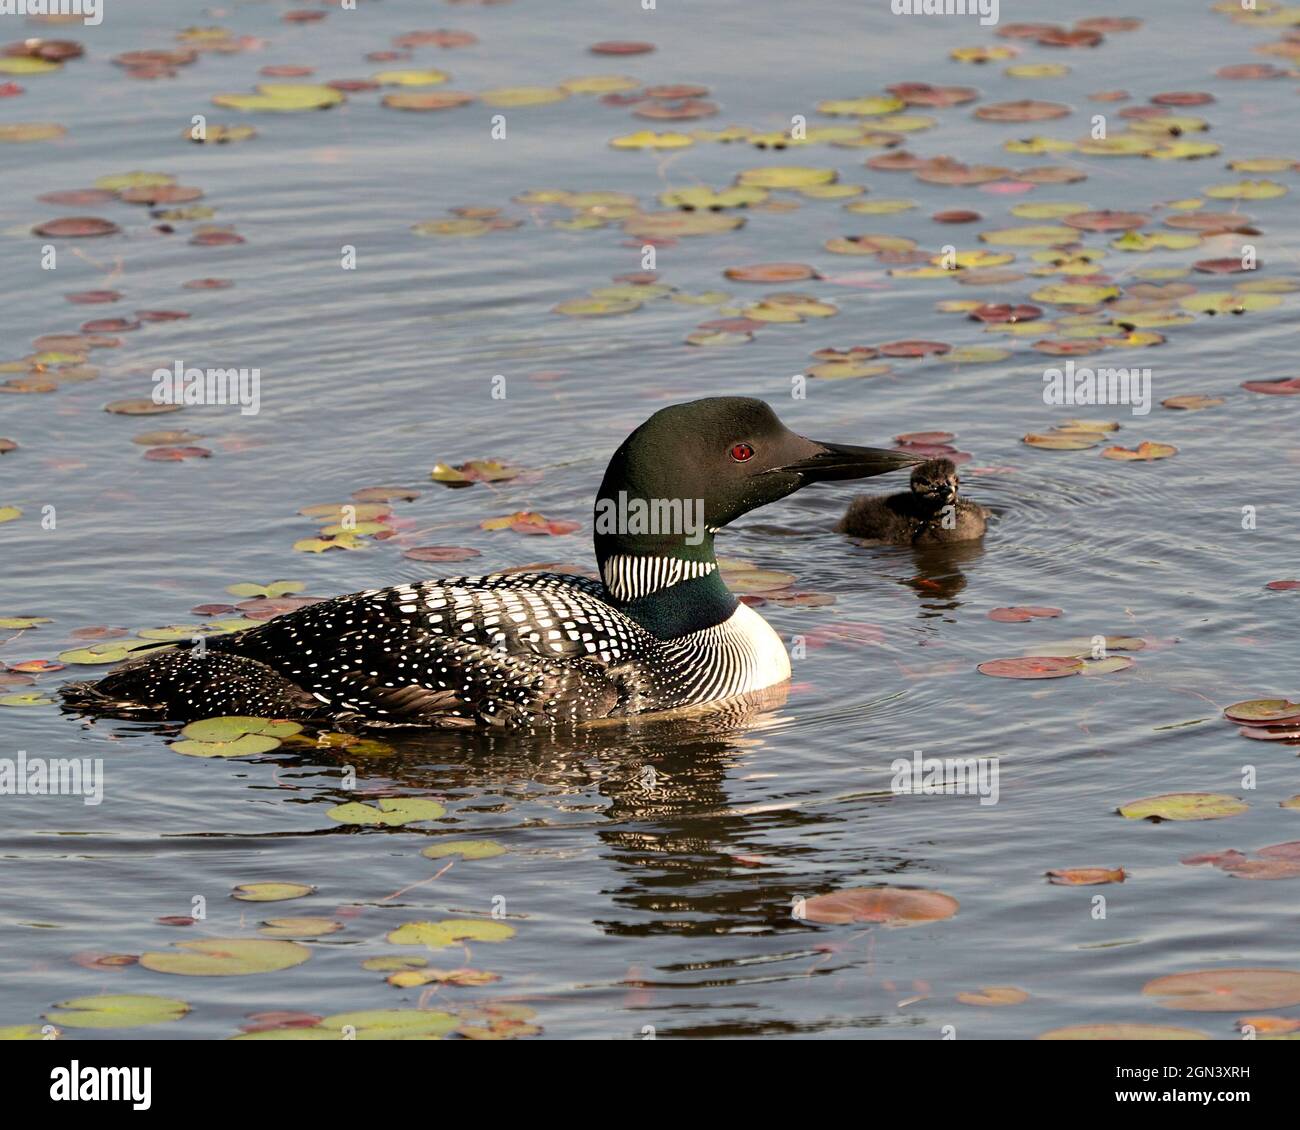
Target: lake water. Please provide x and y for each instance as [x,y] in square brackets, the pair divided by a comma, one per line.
[661,901]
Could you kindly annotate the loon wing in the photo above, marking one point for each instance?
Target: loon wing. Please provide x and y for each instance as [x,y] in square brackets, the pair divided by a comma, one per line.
[514,649]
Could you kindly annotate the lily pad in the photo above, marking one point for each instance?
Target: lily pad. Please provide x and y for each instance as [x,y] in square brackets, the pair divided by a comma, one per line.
[226,957]
[466,849]
[1032,667]
[892,906]
[1226,990]
[450,932]
[391,812]
[1122,1031]
[116,1011]
[271,892]
[1183,806]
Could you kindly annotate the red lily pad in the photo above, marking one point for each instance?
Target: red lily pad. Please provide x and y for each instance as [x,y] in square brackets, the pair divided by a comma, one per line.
[621,47]
[891,906]
[1024,110]
[1106,220]
[1250,71]
[1182,98]
[1282,586]
[209,284]
[923,94]
[176,454]
[76,227]
[161,315]
[93,297]
[441,553]
[109,326]
[1018,613]
[1077,37]
[956,216]
[1032,667]
[77,197]
[914,348]
[771,273]
[1229,266]
[437,38]
[1004,312]
[1263,711]
[1086,876]
[1282,386]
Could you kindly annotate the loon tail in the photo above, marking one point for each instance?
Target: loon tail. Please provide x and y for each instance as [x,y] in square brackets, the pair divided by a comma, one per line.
[183,684]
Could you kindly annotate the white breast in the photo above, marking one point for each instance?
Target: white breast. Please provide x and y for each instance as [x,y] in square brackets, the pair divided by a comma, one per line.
[741,654]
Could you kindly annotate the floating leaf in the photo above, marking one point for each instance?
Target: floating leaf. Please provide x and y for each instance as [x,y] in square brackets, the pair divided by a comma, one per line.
[271,892]
[786,176]
[892,906]
[1122,1031]
[1032,667]
[997,996]
[449,932]
[226,957]
[390,812]
[116,1011]
[1145,451]
[1183,806]
[1020,613]
[299,927]
[466,849]
[282,97]
[508,96]
[413,978]
[1087,876]
[1261,711]
[1226,990]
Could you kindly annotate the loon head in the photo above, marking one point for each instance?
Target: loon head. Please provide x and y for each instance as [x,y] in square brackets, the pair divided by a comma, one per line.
[705,463]
[935,482]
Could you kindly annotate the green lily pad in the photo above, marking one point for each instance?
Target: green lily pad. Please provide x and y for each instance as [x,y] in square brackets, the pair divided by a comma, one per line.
[451,931]
[226,957]
[391,812]
[299,927]
[466,849]
[271,892]
[393,964]
[371,1024]
[23,1032]
[26,698]
[229,727]
[101,653]
[116,1011]
[22,623]
[233,736]
[271,590]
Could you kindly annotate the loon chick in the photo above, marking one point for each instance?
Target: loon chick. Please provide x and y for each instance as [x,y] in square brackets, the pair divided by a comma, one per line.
[532,649]
[931,513]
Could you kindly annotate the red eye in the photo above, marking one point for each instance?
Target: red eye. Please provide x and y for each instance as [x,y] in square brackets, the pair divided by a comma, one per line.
[742,451]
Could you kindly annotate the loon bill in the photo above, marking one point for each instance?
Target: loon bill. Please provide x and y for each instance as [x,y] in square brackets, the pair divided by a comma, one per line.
[531,649]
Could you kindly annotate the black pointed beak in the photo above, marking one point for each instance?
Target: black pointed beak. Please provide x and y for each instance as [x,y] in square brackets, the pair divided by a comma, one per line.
[830,462]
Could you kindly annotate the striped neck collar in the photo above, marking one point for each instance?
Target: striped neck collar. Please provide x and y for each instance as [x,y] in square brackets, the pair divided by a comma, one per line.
[629,577]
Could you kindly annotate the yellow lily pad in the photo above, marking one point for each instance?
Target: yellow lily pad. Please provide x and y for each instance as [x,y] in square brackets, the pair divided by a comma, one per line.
[1183,806]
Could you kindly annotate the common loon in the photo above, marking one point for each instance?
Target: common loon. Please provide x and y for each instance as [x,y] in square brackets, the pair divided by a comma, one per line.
[931,513]
[531,649]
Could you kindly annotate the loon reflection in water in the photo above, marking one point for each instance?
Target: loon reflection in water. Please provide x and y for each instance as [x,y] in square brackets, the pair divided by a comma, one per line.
[660,633]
